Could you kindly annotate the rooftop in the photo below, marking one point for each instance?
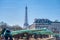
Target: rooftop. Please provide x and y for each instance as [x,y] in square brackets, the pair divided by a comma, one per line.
[42,21]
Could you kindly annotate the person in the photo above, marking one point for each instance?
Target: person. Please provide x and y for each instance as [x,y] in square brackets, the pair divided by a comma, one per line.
[7,34]
[2,33]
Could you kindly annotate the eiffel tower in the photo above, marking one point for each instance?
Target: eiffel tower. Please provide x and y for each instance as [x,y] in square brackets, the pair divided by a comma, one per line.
[26,19]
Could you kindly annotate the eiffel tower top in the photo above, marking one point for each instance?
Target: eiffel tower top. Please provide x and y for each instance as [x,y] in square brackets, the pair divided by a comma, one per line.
[26,17]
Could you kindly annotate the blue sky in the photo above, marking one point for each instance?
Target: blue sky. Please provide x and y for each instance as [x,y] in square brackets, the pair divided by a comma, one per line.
[13,11]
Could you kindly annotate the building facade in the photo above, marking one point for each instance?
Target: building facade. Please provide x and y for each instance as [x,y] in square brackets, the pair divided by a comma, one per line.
[46,23]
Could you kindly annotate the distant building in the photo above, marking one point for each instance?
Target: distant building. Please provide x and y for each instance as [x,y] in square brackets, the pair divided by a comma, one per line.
[46,23]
